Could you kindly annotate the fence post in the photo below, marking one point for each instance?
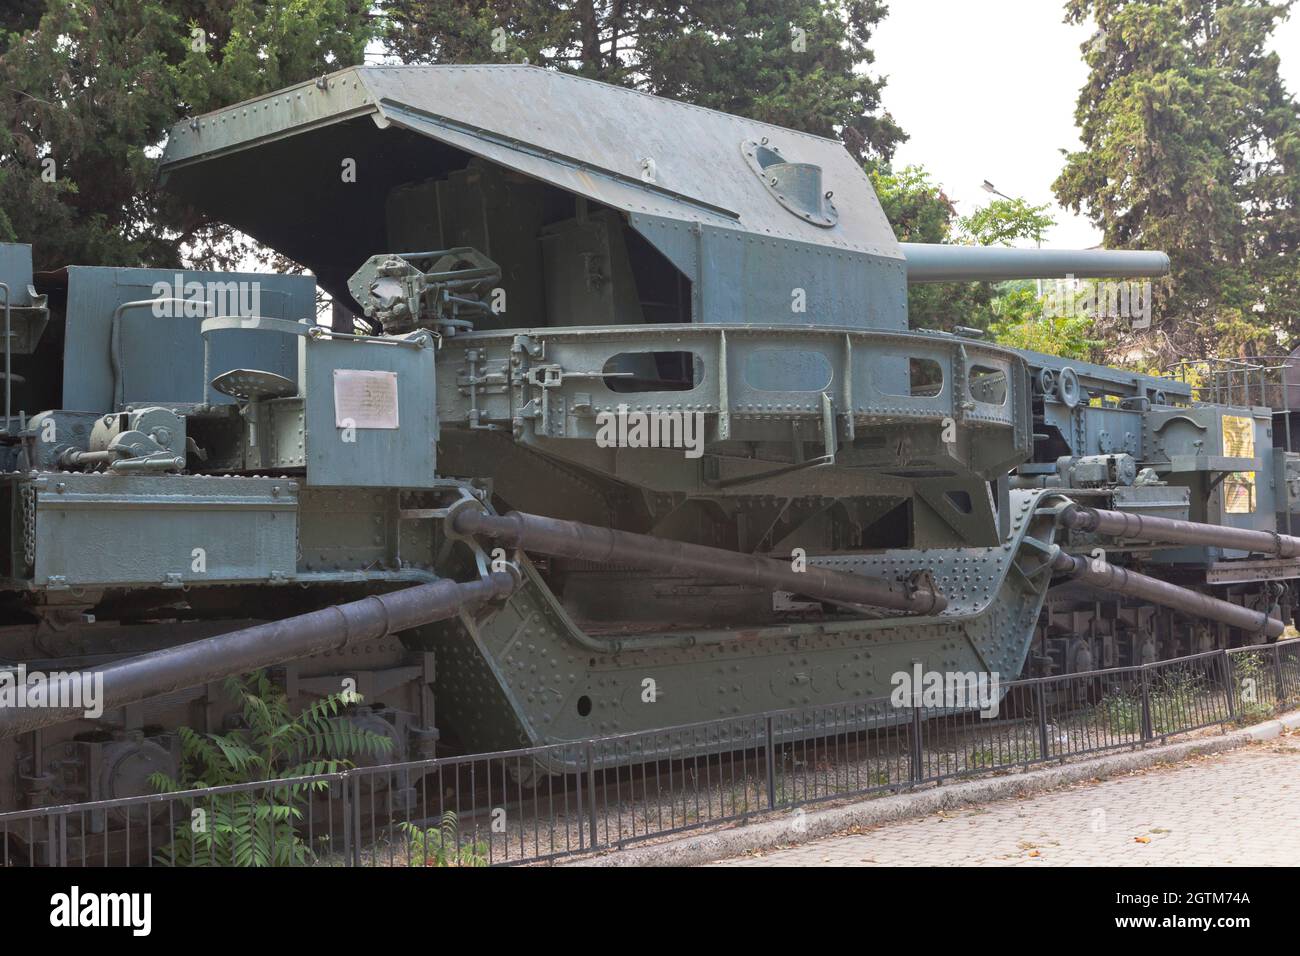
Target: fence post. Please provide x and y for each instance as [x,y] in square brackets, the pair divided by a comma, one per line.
[1230,685]
[355,798]
[1044,745]
[771,762]
[1147,733]
[577,781]
[916,756]
[52,840]
[345,797]
[1279,695]
[591,789]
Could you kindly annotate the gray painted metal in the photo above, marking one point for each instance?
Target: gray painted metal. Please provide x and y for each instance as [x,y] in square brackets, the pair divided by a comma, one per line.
[162,358]
[678,171]
[103,529]
[822,428]
[605,546]
[264,645]
[364,457]
[1107,577]
[1111,380]
[498,686]
[932,262]
[590,138]
[752,383]
[313,429]
[16,271]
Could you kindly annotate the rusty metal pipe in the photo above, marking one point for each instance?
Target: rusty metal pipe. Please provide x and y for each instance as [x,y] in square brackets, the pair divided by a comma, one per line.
[264,645]
[572,539]
[1122,524]
[1107,577]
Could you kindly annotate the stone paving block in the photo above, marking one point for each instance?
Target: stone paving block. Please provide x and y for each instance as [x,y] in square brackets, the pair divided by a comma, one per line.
[1240,807]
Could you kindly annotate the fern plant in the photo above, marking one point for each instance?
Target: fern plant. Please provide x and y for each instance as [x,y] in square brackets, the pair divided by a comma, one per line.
[442,846]
[258,827]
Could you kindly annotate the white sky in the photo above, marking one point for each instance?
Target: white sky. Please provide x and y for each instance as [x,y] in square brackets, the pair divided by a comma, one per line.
[987,91]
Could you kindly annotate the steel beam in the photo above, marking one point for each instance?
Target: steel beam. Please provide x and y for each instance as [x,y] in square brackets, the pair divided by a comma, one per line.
[264,645]
[1107,577]
[1122,524]
[572,539]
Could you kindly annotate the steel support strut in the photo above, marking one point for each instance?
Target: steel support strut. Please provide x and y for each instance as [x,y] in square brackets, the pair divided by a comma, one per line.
[1121,524]
[572,539]
[264,645]
[1107,577]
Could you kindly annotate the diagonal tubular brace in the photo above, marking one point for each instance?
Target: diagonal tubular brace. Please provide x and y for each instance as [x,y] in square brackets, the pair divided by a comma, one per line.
[1121,524]
[252,648]
[572,539]
[1107,577]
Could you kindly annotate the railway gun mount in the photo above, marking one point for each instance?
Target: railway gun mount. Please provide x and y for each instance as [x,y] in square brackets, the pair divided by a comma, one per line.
[617,422]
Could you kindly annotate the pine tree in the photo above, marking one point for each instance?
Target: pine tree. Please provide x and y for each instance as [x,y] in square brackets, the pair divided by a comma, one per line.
[1192,145]
[789,62]
[89,88]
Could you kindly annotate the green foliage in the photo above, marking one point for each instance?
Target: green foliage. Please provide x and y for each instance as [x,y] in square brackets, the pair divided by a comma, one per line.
[914,204]
[443,845]
[796,63]
[1121,713]
[257,827]
[1022,324]
[920,211]
[1191,144]
[1004,221]
[1179,700]
[93,86]
[1253,686]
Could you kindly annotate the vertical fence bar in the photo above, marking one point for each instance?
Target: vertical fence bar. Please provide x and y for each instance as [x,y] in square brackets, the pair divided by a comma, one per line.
[1146,704]
[1044,747]
[770,761]
[343,785]
[354,811]
[591,789]
[1279,697]
[1230,684]
[51,841]
[916,754]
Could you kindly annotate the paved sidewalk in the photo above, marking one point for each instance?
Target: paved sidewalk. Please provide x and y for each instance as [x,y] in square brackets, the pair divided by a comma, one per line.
[1241,807]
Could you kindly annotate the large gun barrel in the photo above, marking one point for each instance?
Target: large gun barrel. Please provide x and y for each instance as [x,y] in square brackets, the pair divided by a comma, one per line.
[264,645]
[930,262]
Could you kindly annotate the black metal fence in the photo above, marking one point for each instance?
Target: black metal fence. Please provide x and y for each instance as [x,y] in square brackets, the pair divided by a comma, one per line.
[542,803]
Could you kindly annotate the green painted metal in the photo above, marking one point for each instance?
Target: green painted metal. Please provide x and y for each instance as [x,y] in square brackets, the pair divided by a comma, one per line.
[541,265]
[678,172]
[160,531]
[161,355]
[522,674]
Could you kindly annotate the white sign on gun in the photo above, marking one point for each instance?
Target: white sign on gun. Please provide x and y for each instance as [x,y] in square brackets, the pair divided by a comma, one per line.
[365,399]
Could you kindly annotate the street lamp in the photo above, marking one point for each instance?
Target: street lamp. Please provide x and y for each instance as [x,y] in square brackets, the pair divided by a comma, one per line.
[988,187]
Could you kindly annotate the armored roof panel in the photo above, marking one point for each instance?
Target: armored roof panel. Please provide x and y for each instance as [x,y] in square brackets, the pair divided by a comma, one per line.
[630,150]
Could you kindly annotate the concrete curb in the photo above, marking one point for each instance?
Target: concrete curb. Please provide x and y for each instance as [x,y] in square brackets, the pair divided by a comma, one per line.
[791,828]
[1272,729]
